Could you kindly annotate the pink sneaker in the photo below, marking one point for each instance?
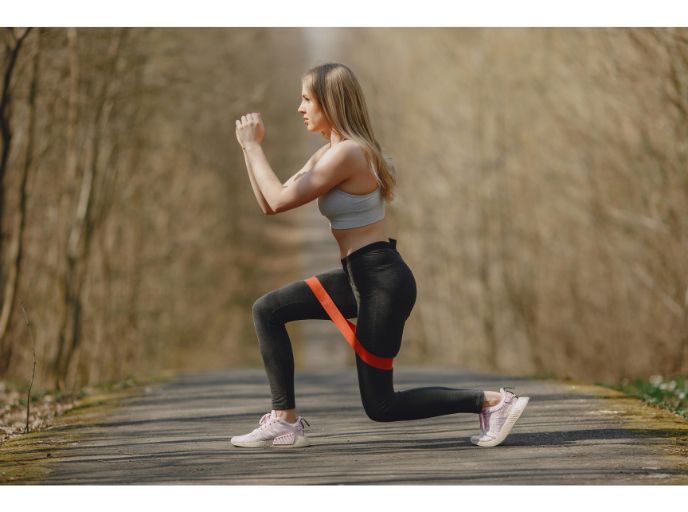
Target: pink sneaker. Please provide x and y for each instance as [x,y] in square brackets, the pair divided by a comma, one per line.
[496,422]
[273,431]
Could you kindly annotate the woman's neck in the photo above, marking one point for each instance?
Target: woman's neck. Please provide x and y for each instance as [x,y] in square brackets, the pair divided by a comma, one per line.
[335,138]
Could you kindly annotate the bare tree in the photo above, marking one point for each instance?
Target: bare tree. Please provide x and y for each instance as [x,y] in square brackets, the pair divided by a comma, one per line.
[15,251]
[13,45]
[82,227]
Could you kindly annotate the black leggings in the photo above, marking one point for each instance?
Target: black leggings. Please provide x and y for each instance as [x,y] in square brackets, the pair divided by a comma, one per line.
[376,286]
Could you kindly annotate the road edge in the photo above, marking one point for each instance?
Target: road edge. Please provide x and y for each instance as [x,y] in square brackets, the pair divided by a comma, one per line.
[25,459]
[639,416]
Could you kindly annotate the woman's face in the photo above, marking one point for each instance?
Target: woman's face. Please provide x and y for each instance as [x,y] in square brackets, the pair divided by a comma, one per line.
[313,116]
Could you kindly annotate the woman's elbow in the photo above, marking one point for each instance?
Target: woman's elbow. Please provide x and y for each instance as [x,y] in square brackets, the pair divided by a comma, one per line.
[269,211]
[274,209]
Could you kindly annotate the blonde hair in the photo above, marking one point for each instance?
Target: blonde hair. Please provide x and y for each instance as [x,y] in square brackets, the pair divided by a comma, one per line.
[340,96]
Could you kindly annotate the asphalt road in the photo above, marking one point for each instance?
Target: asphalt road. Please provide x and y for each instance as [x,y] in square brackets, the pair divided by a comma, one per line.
[178,433]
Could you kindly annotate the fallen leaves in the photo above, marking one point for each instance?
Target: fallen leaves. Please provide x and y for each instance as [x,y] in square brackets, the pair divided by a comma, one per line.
[44,410]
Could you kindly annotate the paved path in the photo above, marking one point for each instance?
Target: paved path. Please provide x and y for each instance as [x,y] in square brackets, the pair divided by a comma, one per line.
[178,432]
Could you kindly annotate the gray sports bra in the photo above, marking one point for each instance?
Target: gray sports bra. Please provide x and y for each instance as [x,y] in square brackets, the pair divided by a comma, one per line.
[346,210]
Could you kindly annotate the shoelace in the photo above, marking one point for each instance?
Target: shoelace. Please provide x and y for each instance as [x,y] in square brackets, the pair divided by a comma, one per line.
[264,420]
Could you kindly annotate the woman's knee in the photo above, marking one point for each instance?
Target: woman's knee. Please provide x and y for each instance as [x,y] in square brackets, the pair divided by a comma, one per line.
[377,412]
[263,308]
[376,406]
[376,388]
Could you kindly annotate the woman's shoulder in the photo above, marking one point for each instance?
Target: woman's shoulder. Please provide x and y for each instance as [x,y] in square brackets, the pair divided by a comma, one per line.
[347,154]
[351,145]
[352,151]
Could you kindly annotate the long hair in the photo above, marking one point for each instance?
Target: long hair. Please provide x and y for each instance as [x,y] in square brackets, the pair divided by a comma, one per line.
[340,96]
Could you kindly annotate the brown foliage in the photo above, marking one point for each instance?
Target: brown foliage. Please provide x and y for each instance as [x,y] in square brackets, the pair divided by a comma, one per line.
[544,193]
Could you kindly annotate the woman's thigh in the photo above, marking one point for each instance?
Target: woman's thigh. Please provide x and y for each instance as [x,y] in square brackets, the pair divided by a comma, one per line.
[380,326]
[296,301]
[384,308]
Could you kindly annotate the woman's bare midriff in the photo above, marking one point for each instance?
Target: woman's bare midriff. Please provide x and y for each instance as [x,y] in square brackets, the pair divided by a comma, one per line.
[354,238]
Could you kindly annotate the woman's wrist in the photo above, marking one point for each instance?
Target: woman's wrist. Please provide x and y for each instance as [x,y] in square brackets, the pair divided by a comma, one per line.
[248,145]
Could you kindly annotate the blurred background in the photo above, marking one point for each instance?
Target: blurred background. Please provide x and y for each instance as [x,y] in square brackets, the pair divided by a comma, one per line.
[542,201]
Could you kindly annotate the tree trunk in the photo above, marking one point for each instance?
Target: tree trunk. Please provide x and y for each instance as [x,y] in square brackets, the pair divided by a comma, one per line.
[81,232]
[16,246]
[11,55]
[70,172]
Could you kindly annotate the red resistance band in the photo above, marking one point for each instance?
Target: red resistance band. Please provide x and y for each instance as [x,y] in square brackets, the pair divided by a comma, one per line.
[347,329]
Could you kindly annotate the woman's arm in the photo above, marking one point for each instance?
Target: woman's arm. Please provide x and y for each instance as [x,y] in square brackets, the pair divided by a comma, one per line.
[308,165]
[267,181]
[332,168]
[321,175]
[264,206]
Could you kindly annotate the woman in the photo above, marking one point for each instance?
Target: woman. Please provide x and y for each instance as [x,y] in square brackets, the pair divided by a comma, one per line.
[351,179]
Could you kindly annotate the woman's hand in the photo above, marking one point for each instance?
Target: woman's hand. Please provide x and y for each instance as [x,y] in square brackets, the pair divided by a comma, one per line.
[250,129]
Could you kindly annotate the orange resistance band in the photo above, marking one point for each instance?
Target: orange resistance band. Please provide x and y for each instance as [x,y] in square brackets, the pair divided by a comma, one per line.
[347,329]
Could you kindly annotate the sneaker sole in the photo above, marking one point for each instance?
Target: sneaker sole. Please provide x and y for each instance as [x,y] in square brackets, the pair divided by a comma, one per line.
[301,442]
[508,424]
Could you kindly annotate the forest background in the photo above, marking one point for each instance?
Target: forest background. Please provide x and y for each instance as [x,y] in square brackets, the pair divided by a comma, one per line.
[542,201]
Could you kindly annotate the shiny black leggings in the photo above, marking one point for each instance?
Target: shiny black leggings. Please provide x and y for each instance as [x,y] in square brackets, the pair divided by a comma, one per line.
[375,286]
